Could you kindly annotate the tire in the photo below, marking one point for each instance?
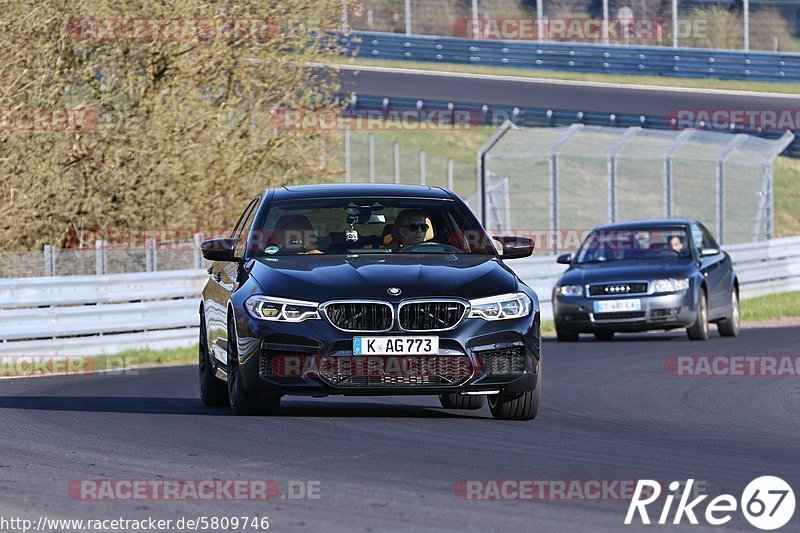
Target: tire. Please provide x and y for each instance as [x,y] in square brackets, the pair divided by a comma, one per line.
[523,406]
[699,330]
[213,391]
[604,336]
[567,335]
[729,327]
[453,400]
[242,402]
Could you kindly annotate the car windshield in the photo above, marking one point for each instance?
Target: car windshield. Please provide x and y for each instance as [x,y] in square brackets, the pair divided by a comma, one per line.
[634,244]
[367,225]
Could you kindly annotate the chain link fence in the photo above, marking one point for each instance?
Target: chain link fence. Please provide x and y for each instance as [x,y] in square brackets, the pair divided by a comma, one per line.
[375,158]
[771,26]
[575,178]
[103,258]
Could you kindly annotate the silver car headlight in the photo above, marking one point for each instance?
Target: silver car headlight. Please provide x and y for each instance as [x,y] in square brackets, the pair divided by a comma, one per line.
[281,309]
[501,307]
[670,285]
[570,290]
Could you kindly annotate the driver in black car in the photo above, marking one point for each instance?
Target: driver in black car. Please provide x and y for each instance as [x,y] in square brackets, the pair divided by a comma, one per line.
[411,227]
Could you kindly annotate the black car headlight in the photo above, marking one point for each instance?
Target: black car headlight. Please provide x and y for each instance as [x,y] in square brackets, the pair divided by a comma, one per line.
[501,307]
[281,309]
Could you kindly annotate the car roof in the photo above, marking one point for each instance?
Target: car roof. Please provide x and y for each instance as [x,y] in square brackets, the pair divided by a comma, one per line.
[655,222]
[333,190]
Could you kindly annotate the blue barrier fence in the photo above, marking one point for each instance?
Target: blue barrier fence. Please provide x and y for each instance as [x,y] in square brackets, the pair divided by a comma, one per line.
[494,115]
[642,60]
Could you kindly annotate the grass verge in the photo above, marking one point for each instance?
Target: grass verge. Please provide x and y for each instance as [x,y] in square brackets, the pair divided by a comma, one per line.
[147,358]
[771,307]
[663,81]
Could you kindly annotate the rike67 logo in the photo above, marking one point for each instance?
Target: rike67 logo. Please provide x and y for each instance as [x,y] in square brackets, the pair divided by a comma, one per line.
[767,503]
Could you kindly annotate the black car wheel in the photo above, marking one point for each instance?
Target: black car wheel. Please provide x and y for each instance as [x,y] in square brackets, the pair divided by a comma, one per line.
[567,335]
[729,327]
[699,330]
[242,402]
[212,391]
[523,406]
[604,336]
[457,401]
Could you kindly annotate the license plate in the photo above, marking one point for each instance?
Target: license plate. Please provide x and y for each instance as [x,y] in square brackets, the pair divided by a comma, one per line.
[609,306]
[395,345]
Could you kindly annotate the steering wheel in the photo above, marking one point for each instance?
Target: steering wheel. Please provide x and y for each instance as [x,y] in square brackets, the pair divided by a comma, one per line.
[446,248]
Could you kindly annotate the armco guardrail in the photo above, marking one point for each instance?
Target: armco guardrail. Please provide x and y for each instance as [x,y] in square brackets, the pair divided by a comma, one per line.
[87,315]
[530,117]
[619,59]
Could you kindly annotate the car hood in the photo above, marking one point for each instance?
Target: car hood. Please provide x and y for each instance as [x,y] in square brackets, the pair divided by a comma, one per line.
[591,273]
[322,278]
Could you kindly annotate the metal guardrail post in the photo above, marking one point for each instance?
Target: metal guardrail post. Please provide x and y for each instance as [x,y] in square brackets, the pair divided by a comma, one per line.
[371,143]
[49,260]
[730,147]
[198,254]
[408,16]
[746,8]
[612,170]
[422,176]
[396,156]
[100,257]
[674,23]
[540,21]
[450,173]
[483,154]
[553,164]
[676,144]
[348,177]
[150,255]
[770,203]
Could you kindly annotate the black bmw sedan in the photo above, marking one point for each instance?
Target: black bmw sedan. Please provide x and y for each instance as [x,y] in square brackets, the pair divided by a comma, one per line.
[367,289]
[647,275]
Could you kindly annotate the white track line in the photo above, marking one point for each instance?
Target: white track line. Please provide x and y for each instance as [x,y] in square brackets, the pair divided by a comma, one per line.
[522,79]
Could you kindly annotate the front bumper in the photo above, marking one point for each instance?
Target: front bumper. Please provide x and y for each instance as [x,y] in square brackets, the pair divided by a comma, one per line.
[661,311]
[315,358]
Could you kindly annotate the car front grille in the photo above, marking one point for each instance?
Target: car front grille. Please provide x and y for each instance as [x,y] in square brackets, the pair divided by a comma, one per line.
[619,315]
[431,315]
[359,371]
[613,289]
[503,362]
[360,316]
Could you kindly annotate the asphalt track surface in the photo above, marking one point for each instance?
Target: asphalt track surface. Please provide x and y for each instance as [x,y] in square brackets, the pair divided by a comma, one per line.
[610,412]
[395,83]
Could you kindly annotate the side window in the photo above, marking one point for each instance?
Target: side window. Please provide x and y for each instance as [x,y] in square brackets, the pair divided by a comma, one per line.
[243,226]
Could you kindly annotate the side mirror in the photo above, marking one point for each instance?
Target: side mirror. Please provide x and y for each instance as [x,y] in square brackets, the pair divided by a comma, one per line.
[219,249]
[515,247]
[705,252]
[564,259]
